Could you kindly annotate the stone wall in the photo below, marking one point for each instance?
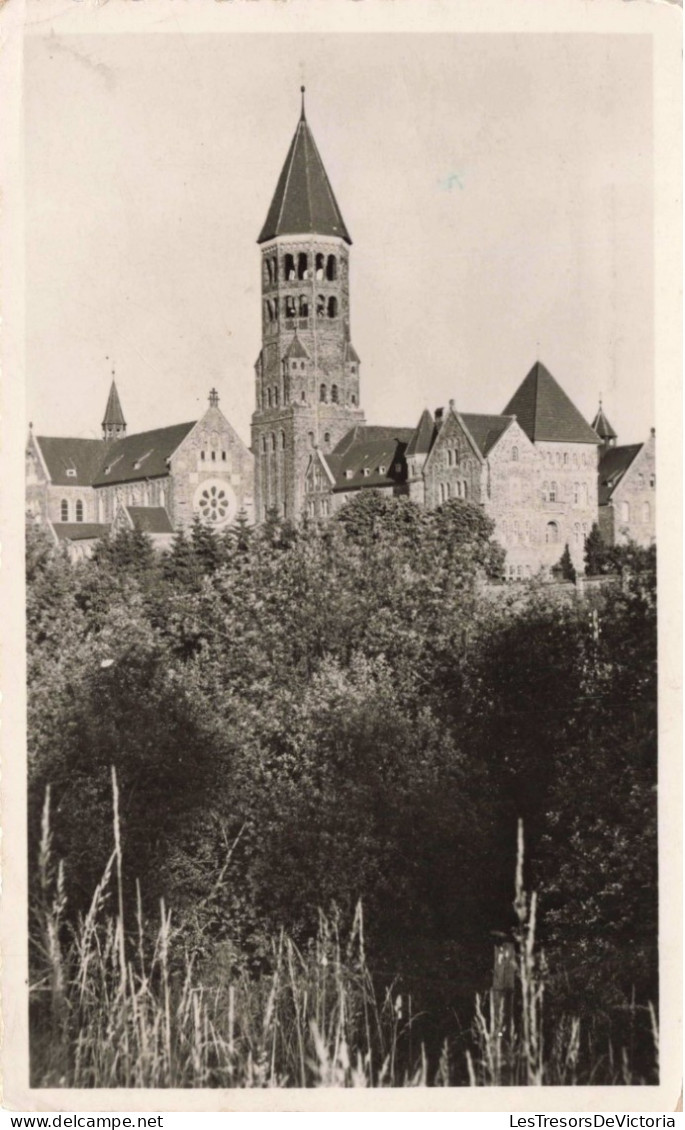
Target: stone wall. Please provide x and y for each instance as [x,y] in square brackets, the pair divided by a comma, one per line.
[633,502]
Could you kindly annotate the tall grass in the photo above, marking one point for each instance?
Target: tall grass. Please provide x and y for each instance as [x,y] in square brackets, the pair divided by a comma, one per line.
[114,1005]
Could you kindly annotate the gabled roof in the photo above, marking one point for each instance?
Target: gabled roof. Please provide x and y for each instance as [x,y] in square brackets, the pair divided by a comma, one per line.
[422,437]
[62,454]
[113,413]
[296,349]
[601,425]
[150,519]
[303,201]
[613,466]
[141,456]
[545,412]
[79,531]
[367,456]
[485,430]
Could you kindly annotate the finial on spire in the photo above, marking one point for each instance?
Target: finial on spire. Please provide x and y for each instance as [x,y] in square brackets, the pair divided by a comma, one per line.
[213,398]
[302,92]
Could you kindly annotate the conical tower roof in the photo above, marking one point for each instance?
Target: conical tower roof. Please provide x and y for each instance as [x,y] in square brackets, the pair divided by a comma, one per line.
[303,202]
[602,426]
[113,413]
[545,412]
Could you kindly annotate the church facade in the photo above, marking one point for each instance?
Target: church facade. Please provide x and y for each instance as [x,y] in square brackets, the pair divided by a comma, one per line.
[537,467]
[156,481]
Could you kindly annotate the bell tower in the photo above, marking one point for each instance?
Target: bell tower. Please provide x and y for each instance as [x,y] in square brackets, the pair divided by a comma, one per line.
[307,373]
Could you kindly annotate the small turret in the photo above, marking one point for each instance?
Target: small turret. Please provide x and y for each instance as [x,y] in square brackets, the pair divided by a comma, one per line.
[604,430]
[113,424]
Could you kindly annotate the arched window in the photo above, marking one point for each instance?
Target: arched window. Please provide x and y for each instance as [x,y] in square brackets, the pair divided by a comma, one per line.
[327,437]
[565,458]
[334,394]
[268,397]
[552,492]
[269,274]
[303,396]
[282,441]
[646,512]
[652,481]
[332,307]
[323,395]
[304,306]
[640,481]
[311,439]
[290,308]
[545,491]
[320,305]
[331,268]
[64,510]
[625,511]
[302,266]
[552,533]
[275,398]
[273,442]
[289,268]
[353,399]
[319,266]
[269,311]
[263,445]
[515,454]
[274,268]
[576,493]
[275,309]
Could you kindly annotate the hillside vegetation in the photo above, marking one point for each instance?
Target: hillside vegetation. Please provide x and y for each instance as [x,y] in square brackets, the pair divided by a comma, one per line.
[323,739]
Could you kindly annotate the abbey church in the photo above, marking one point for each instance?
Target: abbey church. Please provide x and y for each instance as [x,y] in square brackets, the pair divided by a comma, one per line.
[542,472]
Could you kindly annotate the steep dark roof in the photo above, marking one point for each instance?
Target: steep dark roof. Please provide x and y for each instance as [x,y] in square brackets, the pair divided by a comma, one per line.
[303,200]
[150,519]
[79,531]
[62,454]
[422,437]
[613,466]
[361,453]
[296,349]
[113,412]
[142,456]
[485,430]
[601,425]
[545,412]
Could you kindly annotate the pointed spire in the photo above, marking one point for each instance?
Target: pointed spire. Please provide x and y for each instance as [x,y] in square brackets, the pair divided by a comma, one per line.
[601,425]
[113,424]
[303,202]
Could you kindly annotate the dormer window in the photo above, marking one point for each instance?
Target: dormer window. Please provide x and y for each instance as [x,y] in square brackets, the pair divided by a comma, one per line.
[349,474]
[366,471]
[71,472]
[139,462]
[381,469]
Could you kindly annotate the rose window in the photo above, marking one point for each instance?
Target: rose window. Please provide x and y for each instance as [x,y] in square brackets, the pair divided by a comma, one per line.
[214,503]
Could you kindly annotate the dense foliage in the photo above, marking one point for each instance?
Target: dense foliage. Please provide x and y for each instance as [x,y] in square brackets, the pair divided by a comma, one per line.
[303,717]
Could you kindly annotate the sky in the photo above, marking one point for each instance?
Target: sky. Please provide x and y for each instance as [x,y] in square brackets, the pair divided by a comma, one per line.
[497,188]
